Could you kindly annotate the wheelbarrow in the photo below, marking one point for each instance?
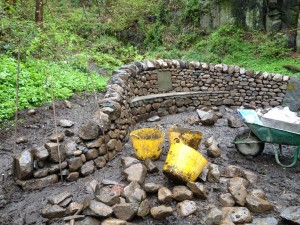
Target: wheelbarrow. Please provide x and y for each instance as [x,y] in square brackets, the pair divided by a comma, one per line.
[269,131]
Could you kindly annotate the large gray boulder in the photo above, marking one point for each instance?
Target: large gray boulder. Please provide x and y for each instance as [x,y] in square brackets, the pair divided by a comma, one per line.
[23,167]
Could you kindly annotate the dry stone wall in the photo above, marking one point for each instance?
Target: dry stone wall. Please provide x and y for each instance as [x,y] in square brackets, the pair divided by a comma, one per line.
[98,140]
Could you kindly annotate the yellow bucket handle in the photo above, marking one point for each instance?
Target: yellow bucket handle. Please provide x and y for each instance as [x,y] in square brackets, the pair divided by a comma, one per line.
[158,127]
[134,135]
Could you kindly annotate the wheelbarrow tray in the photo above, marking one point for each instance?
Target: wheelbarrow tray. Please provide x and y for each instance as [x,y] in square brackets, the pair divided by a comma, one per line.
[274,131]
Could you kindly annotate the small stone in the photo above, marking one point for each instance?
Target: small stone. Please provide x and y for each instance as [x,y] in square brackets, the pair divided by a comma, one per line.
[66,123]
[74,163]
[23,164]
[102,120]
[87,168]
[21,139]
[151,167]
[181,193]
[114,221]
[264,221]
[91,154]
[111,144]
[77,153]
[69,133]
[214,151]
[161,212]
[192,120]
[234,122]
[83,159]
[204,172]
[92,186]
[57,199]
[233,171]
[56,151]
[255,204]
[258,193]
[100,162]
[164,195]
[88,220]
[136,172]
[66,202]
[208,118]
[41,172]
[68,104]
[110,194]
[55,168]
[73,176]
[226,200]
[53,211]
[128,161]
[56,137]
[74,207]
[237,215]
[109,182]
[74,217]
[129,189]
[125,211]
[96,209]
[198,189]
[153,119]
[213,175]
[238,190]
[210,141]
[186,208]
[144,208]
[151,187]
[31,112]
[71,148]
[252,177]
[291,214]
[95,144]
[214,217]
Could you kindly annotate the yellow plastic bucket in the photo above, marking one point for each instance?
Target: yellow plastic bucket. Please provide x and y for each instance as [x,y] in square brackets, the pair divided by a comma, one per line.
[189,137]
[147,142]
[183,163]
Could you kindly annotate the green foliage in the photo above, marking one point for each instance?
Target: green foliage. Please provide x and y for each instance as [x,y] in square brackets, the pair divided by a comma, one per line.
[34,84]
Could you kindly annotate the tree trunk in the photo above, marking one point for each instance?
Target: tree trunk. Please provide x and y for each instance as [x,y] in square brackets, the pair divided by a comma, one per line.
[39,12]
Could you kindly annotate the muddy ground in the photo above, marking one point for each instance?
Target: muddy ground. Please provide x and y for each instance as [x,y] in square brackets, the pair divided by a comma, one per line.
[281,185]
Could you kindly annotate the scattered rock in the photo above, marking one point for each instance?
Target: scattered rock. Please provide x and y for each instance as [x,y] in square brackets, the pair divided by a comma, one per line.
[114,221]
[192,120]
[68,104]
[125,211]
[252,177]
[92,186]
[31,112]
[109,195]
[153,119]
[256,204]
[66,202]
[161,212]
[56,152]
[144,208]
[74,207]
[128,161]
[213,175]
[66,123]
[264,221]
[151,167]
[210,141]
[226,200]
[129,189]
[204,172]
[186,208]
[21,140]
[164,195]
[198,189]
[235,122]
[214,217]
[53,211]
[136,172]
[208,118]
[214,151]
[58,199]
[87,168]
[23,164]
[238,190]
[56,137]
[151,187]
[97,209]
[237,215]
[88,220]
[233,171]
[69,133]
[181,193]
[88,130]
[258,193]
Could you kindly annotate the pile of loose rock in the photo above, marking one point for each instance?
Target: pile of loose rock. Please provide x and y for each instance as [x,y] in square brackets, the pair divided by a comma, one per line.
[114,202]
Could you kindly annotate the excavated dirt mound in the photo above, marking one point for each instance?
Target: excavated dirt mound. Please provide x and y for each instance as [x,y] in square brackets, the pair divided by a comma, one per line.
[281,185]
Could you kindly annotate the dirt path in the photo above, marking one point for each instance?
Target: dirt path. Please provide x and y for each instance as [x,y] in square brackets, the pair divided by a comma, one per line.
[281,185]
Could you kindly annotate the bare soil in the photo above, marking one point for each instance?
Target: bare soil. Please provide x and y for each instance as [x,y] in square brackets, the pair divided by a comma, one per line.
[281,185]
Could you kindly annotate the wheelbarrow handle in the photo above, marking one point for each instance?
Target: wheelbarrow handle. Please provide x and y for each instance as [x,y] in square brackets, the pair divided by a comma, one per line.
[295,157]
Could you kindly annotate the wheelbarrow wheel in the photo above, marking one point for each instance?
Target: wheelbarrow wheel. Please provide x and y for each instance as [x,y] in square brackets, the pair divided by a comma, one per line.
[250,145]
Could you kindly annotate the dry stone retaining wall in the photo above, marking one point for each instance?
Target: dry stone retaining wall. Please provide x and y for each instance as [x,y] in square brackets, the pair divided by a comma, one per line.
[97,141]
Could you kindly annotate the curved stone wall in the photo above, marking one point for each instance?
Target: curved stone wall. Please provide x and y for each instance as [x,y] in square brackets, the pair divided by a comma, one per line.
[136,92]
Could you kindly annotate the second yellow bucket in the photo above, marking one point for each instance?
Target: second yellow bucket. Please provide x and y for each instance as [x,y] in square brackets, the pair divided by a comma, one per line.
[189,137]
[147,142]
[183,163]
